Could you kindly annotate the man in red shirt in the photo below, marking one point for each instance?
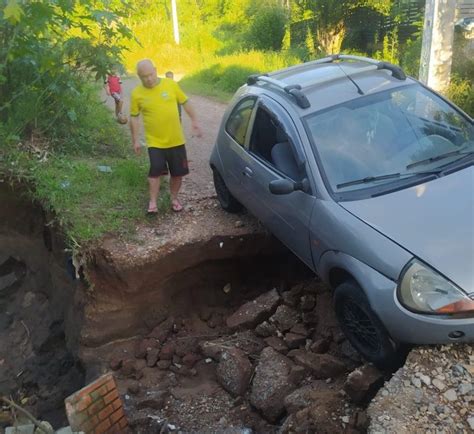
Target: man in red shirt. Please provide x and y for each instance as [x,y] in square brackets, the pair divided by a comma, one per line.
[113,88]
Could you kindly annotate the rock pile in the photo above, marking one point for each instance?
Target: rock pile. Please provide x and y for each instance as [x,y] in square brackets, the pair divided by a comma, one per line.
[281,354]
[432,393]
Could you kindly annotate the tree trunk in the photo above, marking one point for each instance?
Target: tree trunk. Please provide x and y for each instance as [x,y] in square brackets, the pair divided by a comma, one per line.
[330,37]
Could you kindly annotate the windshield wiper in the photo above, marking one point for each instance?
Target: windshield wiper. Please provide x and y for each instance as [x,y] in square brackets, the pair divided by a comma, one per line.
[369,179]
[439,157]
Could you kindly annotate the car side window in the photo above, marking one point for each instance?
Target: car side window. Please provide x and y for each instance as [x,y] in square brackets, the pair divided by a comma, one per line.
[237,124]
[270,142]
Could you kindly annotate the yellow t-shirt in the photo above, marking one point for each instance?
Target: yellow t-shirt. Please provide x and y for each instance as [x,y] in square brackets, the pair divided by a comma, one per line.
[159,107]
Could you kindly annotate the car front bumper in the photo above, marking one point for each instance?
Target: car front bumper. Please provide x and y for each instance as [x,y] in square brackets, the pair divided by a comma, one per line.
[409,327]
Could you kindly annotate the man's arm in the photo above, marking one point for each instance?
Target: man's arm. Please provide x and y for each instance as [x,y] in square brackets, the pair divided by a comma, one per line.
[189,109]
[134,128]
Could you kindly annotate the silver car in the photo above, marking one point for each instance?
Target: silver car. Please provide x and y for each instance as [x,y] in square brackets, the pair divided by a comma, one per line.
[367,176]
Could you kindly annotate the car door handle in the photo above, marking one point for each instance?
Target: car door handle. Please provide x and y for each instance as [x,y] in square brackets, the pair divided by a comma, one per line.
[247,172]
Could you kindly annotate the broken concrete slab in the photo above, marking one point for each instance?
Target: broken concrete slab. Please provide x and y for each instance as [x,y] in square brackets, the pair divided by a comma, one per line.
[285,318]
[362,383]
[21,429]
[7,281]
[321,365]
[234,371]
[255,311]
[271,384]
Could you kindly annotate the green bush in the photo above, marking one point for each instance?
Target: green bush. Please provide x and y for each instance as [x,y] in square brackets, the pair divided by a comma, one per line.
[267,29]
[48,56]
[74,121]
[461,92]
[410,56]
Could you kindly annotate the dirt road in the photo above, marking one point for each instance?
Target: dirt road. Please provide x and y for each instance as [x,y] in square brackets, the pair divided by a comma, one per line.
[198,185]
[202,218]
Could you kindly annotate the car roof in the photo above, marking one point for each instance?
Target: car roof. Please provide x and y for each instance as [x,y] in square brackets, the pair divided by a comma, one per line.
[327,84]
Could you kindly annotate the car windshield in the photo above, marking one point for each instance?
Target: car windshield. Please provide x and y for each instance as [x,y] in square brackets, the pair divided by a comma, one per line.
[404,133]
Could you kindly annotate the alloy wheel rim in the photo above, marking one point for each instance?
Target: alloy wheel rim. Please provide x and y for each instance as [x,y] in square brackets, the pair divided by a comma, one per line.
[360,327]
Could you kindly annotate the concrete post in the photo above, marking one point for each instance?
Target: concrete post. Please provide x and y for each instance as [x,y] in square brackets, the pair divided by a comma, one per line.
[174,14]
[437,47]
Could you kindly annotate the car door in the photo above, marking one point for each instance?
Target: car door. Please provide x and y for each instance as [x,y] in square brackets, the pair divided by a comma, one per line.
[286,216]
[232,142]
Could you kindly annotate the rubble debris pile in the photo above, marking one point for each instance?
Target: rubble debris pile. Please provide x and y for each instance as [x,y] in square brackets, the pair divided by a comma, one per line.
[276,363]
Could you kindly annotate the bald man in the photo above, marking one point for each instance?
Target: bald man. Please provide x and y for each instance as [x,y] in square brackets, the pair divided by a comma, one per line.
[157,99]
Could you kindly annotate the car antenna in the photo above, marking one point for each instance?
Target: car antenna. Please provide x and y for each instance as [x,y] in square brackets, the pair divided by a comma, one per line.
[359,90]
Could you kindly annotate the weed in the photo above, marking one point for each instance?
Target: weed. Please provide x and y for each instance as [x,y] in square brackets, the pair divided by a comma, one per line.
[91,202]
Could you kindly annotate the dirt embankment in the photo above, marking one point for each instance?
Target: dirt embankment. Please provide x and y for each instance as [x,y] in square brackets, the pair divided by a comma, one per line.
[39,310]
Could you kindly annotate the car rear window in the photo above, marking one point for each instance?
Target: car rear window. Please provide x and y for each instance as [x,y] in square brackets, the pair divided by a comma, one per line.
[237,124]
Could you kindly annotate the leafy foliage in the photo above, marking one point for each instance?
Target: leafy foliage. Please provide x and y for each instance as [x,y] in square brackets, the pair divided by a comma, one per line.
[331,18]
[48,49]
[268,29]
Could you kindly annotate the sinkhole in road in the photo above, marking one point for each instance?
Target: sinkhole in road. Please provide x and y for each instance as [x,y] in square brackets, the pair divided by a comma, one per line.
[240,339]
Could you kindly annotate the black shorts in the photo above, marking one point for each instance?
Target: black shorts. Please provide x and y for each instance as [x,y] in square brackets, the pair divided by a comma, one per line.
[173,160]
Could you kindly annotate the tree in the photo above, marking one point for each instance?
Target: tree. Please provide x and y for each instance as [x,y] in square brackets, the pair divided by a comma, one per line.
[268,28]
[47,49]
[331,18]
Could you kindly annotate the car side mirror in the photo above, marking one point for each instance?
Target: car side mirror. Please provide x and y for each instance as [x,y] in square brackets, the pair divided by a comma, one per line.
[286,186]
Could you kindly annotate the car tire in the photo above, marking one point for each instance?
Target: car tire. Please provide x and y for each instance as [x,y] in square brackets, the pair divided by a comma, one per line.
[363,328]
[228,202]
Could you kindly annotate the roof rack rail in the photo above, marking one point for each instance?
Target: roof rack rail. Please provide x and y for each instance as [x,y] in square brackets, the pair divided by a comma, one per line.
[292,89]
[397,72]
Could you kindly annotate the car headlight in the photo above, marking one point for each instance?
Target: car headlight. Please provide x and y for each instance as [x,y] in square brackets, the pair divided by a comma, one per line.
[424,290]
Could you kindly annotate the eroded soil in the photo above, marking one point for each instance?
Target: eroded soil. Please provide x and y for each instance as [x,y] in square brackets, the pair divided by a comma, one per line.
[283,370]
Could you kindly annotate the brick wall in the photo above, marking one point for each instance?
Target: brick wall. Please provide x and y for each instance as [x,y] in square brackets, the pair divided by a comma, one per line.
[97,408]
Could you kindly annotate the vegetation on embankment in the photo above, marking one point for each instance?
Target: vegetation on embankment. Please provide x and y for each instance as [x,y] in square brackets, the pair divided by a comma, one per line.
[56,135]
[55,131]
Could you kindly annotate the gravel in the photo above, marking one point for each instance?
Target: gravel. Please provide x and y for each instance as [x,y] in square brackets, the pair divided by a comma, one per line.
[432,393]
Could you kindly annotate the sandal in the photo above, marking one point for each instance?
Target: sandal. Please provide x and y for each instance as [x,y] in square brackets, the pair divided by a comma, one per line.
[176,206]
[152,210]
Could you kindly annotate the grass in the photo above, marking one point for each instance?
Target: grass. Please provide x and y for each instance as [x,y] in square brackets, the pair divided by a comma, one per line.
[196,87]
[64,176]
[90,203]
[225,74]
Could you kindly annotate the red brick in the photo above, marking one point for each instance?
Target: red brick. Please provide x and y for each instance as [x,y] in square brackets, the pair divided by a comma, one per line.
[95,394]
[106,412]
[110,385]
[83,403]
[78,418]
[93,386]
[89,389]
[88,425]
[117,404]
[112,396]
[102,427]
[117,415]
[123,423]
[96,407]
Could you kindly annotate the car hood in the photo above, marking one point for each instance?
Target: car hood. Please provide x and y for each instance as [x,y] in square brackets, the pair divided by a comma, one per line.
[434,221]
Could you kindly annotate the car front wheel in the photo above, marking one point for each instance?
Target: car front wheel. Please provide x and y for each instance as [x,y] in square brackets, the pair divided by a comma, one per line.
[228,202]
[362,327]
